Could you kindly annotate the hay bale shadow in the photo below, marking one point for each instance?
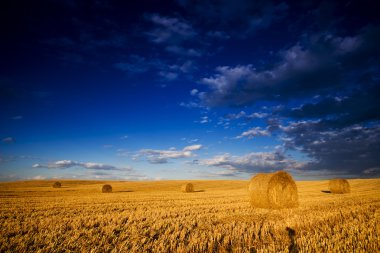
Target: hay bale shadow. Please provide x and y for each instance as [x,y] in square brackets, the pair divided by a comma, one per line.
[125,191]
[326,191]
[293,248]
[199,191]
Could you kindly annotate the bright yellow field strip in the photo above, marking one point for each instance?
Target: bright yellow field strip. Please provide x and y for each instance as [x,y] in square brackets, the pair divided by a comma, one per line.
[157,217]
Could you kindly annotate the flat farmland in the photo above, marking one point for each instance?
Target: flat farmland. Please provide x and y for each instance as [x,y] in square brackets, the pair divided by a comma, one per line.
[156,216]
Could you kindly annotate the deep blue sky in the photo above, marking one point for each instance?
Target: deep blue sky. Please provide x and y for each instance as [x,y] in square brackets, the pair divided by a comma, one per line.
[189,89]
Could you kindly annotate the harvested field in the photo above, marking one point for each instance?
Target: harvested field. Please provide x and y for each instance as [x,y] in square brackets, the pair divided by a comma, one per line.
[157,217]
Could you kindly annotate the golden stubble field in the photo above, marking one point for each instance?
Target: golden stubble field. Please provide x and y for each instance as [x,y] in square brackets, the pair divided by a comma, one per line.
[158,217]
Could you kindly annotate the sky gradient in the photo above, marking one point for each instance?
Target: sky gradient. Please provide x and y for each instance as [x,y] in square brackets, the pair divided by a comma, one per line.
[189,89]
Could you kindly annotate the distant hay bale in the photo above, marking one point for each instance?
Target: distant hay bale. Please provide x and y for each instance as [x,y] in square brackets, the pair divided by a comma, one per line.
[106,188]
[273,190]
[187,187]
[57,185]
[339,186]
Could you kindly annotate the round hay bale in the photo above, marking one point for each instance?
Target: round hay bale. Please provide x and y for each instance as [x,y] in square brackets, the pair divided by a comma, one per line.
[273,190]
[339,186]
[106,188]
[187,187]
[57,185]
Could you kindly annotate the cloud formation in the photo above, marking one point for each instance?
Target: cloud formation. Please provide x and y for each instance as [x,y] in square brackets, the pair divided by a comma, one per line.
[17,117]
[333,85]
[254,132]
[252,162]
[65,164]
[134,64]
[175,34]
[244,115]
[353,149]
[192,147]
[241,15]
[319,65]
[8,140]
[156,156]
[169,30]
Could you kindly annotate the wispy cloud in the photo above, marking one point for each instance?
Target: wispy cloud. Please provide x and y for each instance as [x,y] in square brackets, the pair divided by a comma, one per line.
[168,75]
[134,64]
[374,171]
[192,147]
[17,117]
[169,30]
[194,92]
[204,120]
[219,35]
[239,18]
[156,156]
[244,115]
[65,164]
[39,177]
[174,34]
[183,51]
[192,105]
[8,140]
[254,132]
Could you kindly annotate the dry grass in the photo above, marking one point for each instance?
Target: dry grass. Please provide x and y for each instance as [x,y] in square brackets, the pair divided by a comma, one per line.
[156,217]
[273,190]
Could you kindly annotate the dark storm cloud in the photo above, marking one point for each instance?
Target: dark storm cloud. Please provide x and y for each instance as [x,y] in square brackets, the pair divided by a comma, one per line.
[252,162]
[340,135]
[334,80]
[353,149]
[324,63]
[361,106]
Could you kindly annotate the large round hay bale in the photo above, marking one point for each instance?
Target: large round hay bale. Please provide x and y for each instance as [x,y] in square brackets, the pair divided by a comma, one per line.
[339,186]
[187,187]
[57,185]
[106,188]
[273,190]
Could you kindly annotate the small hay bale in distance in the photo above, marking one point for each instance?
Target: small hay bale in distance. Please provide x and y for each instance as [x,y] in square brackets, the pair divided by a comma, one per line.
[273,190]
[107,188]
[339,186]
[187,187]
[57,185]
